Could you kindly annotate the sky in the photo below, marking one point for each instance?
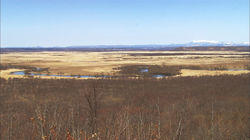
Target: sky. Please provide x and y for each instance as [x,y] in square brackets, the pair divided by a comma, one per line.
[50,23]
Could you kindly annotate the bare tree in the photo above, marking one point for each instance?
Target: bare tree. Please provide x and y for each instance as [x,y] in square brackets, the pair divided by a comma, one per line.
[92,98]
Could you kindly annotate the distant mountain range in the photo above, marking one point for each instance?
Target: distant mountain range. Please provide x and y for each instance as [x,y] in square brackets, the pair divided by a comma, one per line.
[213,43]
[195,43]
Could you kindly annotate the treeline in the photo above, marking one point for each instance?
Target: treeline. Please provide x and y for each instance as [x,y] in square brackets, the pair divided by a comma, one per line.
[127,48]
[208,107]
[87,49]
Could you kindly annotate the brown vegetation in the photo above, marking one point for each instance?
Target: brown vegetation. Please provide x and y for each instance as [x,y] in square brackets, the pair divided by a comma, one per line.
[207,107]
[149,70]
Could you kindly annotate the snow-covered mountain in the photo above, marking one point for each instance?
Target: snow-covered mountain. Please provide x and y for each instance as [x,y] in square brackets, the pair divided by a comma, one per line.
[214,43]
[200,43]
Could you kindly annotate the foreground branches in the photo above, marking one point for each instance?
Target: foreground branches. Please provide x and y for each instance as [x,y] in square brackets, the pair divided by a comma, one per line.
[208,107]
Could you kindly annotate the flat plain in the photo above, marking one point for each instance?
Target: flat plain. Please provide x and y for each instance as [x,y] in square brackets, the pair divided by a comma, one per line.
[107,62]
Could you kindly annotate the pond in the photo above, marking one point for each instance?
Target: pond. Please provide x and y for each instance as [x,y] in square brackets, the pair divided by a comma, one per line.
[159,76]
[144,70]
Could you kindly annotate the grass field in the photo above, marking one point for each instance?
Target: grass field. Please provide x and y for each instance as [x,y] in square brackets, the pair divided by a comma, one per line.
[94,63]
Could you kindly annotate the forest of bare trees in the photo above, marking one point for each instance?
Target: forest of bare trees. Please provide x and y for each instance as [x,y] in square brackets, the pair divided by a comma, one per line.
[207,107]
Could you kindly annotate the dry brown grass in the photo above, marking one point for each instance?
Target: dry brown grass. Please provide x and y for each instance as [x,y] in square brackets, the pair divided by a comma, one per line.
[92,63]
[189,72]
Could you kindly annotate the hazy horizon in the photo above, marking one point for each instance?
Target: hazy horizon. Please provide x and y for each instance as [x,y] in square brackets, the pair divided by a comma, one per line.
[64,23]
[186,44]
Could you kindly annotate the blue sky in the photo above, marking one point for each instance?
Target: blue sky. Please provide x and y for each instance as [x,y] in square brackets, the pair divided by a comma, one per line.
[93,22]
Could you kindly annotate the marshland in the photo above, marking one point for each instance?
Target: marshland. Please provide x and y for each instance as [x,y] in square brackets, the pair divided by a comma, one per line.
[113,95]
